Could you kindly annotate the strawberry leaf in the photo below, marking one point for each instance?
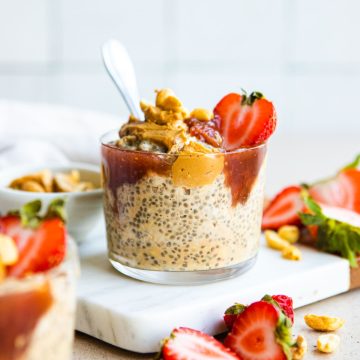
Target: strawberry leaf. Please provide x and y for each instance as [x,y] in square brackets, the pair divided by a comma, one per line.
[235,309]
[56,209]
[333,236]
[353,165]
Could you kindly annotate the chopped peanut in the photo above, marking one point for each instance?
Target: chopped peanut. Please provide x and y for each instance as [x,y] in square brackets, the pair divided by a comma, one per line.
[291,252]
[274,241]
[289,233]
[300,348]
[202,114]
[9,253]
[323,323]
[167,100]
[328,343]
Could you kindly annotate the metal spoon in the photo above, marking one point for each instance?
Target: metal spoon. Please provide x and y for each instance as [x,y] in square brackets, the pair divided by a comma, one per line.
[121,70]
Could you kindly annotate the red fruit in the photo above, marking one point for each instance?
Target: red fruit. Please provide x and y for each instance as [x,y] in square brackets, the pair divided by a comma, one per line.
[253,334]
[286,304]
[40,249]
[343,191]
[245,120]
[232,313]
[283,209]
[189,344]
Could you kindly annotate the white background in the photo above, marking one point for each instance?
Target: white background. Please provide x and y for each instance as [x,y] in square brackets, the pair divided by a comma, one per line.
[303,54]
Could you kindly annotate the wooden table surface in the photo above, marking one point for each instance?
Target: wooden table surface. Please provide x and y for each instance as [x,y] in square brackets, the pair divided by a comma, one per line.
[346,306]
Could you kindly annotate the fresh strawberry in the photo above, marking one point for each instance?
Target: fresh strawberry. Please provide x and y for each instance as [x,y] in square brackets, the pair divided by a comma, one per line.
[41,241]
[286,304]
[256,334]
[283,209]
[40,249]
[232,313]
[342,191]
[189,344]
[245,120]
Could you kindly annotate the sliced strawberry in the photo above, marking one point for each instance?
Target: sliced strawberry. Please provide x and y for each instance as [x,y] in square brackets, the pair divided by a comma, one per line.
[342,191]
[189,344]
[286,304]
[40,249]
[253,336]
[245,120]
[232,313]
[283,209]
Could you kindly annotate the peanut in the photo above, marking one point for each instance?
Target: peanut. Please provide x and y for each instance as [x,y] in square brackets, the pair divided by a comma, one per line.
[274,241]
[323,323]
[300,348]
[289,233]
[167,100]
[328,343]
[291,252]
[202,114]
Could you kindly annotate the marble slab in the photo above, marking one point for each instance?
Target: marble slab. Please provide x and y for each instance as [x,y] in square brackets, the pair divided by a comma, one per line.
[134,315]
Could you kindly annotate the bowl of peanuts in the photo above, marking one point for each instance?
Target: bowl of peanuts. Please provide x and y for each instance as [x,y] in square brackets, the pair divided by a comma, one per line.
[78,183]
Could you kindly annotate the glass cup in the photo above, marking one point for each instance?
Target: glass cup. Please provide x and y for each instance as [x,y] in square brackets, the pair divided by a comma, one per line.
[37,313]
[182,219]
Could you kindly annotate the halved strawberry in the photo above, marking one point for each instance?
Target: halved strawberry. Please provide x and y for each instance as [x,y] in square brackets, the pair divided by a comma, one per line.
[189,344]
[40,249]
[254,334]
[342,191]
[283,209]
[286,304]
[41,240]
[245,120]
[232,313]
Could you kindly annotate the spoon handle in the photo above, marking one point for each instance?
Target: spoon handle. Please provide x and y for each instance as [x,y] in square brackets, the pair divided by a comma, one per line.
[121,70]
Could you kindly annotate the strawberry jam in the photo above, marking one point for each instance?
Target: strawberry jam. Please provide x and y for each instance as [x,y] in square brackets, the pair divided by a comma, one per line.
[241,170]
[19,314]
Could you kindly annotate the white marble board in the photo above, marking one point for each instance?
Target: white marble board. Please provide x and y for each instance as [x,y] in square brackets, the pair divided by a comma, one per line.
[135,316]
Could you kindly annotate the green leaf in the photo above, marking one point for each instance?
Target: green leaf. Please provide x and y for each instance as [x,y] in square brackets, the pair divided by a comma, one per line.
[333,236]
[283,335]
[309,219]
[353,165]
[56,209]
[29,214]
[310,203]
[235,309]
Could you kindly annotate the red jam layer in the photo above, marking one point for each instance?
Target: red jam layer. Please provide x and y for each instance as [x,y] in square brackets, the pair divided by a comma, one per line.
[127,167]
[19,314]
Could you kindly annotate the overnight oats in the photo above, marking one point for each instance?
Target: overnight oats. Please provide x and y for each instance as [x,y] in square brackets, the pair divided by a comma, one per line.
[183,192]
[38,269]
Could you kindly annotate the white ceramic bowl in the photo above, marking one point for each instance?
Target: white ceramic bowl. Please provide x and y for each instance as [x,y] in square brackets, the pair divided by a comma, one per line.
[84,209]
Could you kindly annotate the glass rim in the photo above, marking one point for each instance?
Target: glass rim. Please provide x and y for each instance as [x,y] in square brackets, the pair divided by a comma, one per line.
[116,131]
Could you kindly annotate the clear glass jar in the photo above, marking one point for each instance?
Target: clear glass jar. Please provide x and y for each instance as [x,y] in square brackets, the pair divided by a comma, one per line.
[37,313]
[182,219]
